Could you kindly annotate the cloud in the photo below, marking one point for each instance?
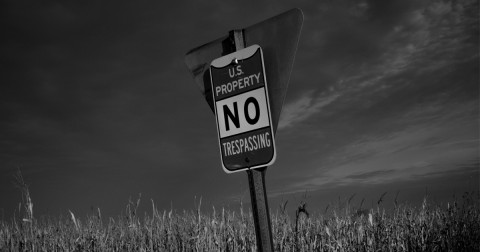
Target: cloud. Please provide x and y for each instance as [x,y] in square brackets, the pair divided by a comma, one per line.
[304,107]
[428,140]
[420,42]
[372,174]
[407,112]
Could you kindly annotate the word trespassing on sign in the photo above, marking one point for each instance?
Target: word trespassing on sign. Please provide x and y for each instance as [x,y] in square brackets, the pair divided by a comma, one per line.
[250,143]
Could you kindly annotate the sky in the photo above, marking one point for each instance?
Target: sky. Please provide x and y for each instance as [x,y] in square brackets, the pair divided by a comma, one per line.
[97,105]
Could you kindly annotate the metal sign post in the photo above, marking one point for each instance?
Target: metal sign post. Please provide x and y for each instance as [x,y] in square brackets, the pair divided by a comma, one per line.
[278,38]
[238,81]
[261,214]
[258,193]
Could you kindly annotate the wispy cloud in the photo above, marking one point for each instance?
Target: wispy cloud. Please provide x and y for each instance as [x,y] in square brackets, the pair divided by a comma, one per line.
[423,41]
[408,112]
[304,107]
[423,145]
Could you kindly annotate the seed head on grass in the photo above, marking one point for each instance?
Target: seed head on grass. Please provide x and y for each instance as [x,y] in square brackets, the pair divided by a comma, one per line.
[26,199]
[75,222]
[380,200]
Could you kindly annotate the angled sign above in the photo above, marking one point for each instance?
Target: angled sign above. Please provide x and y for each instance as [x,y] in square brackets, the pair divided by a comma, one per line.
[277,36]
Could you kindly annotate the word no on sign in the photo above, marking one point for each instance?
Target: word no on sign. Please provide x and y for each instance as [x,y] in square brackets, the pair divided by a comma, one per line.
[242,110]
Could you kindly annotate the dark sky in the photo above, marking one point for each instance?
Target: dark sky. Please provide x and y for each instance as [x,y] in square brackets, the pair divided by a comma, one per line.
[97,104]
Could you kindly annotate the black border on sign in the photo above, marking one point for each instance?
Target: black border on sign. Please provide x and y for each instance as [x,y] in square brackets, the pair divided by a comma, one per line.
[273,158]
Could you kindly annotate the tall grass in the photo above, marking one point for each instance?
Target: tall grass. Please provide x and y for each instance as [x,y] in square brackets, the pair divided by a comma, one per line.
[450,227]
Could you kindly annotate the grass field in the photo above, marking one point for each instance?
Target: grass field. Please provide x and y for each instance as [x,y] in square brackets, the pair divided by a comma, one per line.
[454,226]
